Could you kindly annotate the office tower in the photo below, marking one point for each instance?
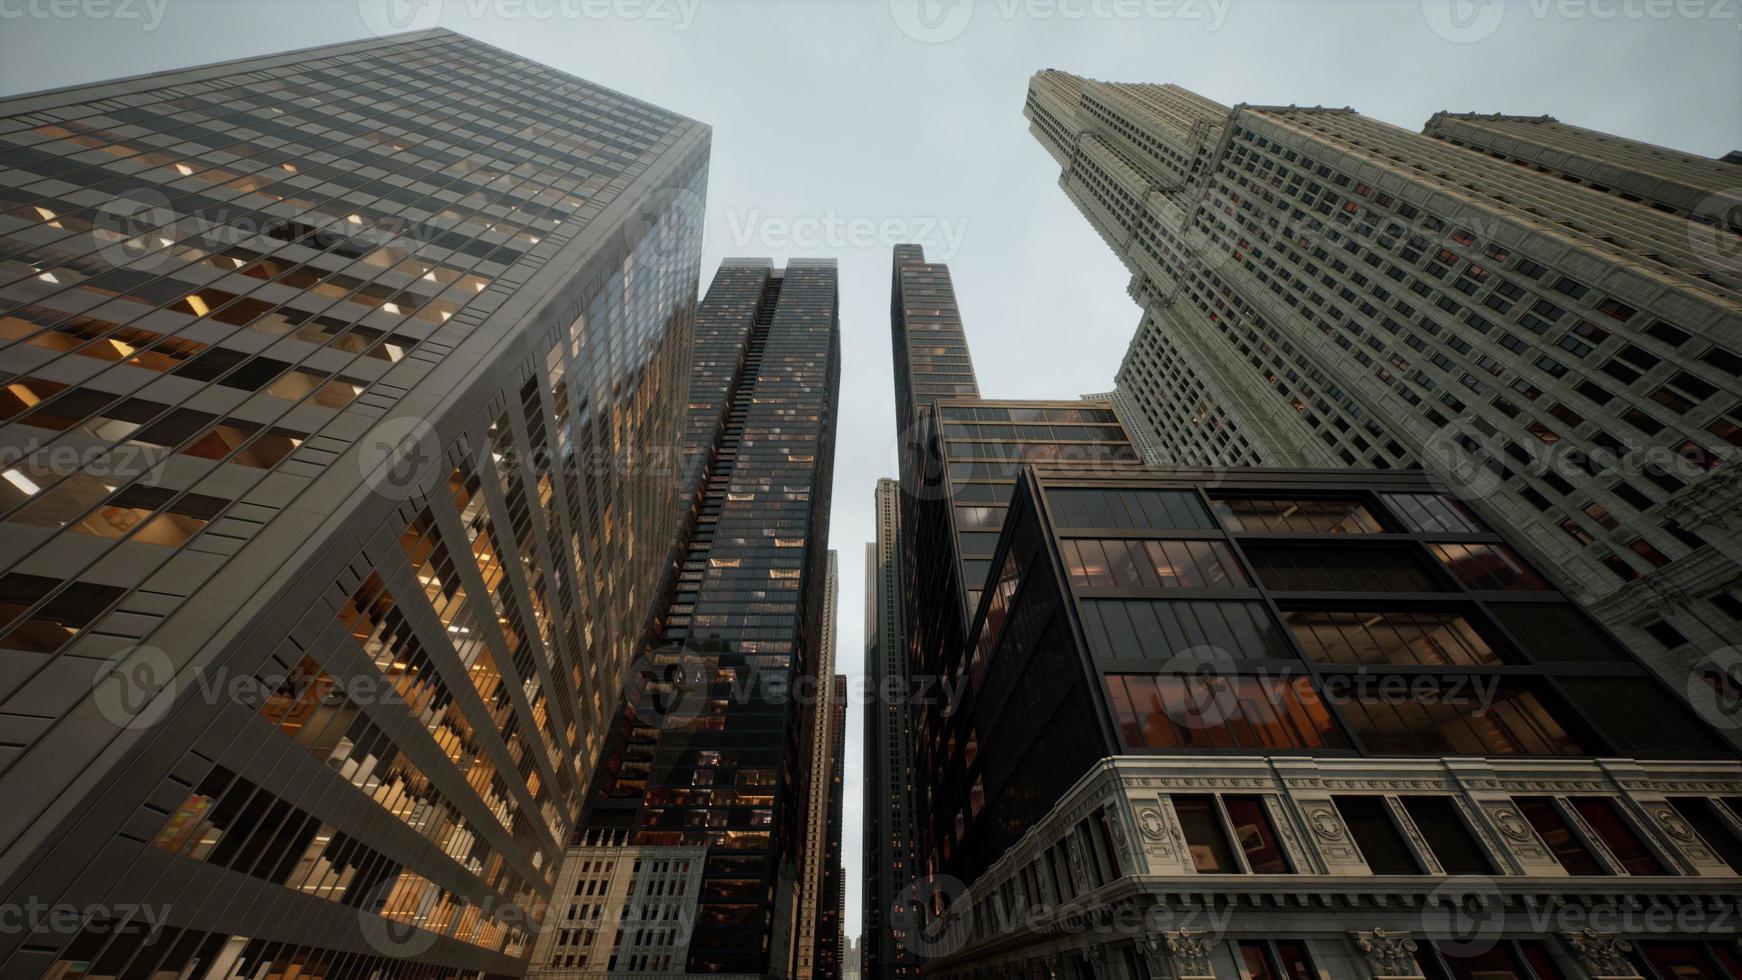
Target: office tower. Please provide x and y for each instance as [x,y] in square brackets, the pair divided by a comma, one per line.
[325,551]
[816,857]
[1543,316]
[832,902]
[888,777]
[711,748]
[960,457]
[1292,721]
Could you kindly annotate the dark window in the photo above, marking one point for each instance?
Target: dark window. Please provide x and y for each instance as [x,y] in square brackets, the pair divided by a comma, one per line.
[1256,836]
[1568,847]
[1297,516]
[1489,567]
[1556,634]
[1340,567]
[1204,835]
[1376,834]
[1640,717]
[1623,842]
[1713,826]
[1451,718]
[1447,836]
[1124,628]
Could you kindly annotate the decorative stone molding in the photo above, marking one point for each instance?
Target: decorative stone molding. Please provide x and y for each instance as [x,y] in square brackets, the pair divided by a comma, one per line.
[1602,954]
[1388,954]
[1183,955]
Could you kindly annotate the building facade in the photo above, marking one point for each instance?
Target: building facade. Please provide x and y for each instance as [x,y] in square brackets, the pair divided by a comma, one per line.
[619,908]
[1272,723]
[889,842]
[712,746]
[812,936]
[1544,316]
[323,556]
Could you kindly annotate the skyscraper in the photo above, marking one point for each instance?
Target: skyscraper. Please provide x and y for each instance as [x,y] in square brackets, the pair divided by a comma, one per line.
[832,900]
[888,776]
[1544,316]
[1286,723]
[812,938]
[711,749]
[960,457]
[336,386]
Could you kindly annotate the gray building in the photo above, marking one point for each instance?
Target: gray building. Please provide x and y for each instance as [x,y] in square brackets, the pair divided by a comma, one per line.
[323,555]
[889,841]
[1543,316]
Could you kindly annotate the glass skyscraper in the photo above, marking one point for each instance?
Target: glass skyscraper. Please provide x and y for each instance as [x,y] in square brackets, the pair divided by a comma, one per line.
[713,745]
[342,403]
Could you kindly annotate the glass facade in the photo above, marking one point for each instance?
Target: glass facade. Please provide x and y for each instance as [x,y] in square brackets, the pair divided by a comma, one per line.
[710,749]
[339,393]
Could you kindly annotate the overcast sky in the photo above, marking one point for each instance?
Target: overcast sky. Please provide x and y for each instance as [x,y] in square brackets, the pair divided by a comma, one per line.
[844,126]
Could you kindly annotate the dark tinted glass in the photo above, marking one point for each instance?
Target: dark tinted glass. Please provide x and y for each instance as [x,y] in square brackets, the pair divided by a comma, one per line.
[1450,840]
[1381,844]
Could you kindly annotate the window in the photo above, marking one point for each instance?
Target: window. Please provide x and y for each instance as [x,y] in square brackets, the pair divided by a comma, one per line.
[1276,960]
[1340,567]
[1256,835]
[1556,634]
[1447,835]
[1125,628]
[1297,516]
[1693,960]
[1221,712]
[1152,564]
[1386,637]
[1450,718]
[49,627]
[1717,829]
[1570,849]
[1507,960]
[1205,838]
[1618,835]
[1121,508]
[1489,567]
[1381,844]
[1434,513]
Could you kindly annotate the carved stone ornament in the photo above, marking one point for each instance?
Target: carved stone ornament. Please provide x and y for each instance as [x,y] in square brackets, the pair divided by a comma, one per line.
[1389,954]
[1675,826]
[1184,954]
[1603,954]
[1323,820]
[1149,820]
[1510,823]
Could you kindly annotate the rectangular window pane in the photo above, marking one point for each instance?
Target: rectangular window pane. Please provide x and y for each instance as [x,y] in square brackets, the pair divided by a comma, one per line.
[1381,843]
[1204,835]
[1568,847]
[1450,840]
[1256,836]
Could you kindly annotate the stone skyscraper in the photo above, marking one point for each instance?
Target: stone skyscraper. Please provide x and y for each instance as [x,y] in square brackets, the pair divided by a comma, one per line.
[712,747]
[336,386]
[1545,317]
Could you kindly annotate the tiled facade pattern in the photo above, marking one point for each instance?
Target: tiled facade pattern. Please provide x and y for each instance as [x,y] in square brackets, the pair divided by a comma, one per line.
[619,911]
[336,384]
[1519,305]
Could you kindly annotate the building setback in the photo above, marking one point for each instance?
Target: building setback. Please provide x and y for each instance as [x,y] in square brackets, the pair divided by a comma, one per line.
[711,748]
[322,563]
[889,842]
[1541,315]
